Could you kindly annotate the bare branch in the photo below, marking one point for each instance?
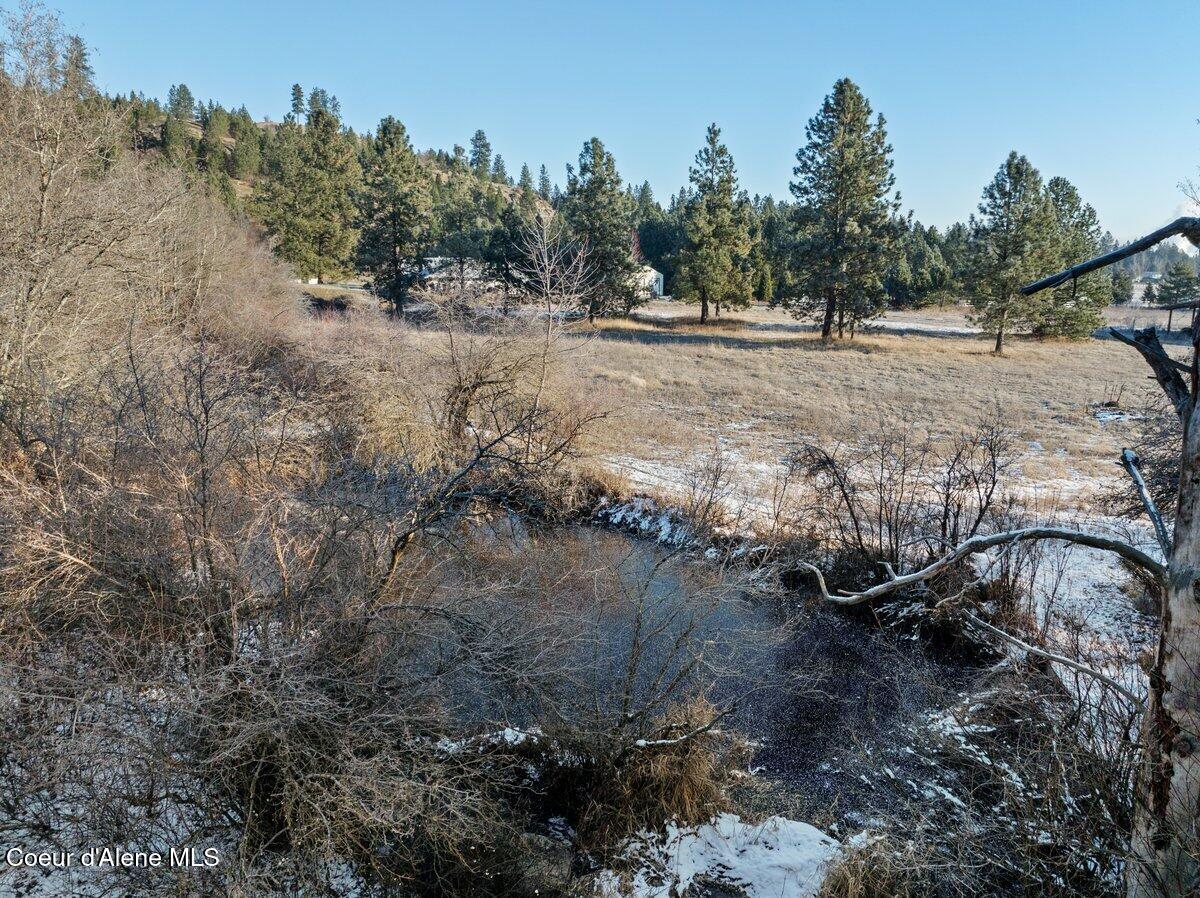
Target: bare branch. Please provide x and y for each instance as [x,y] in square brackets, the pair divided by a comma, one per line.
[1129,461]
[981,543]
[1188,227]
[1166,369]
[1051,656]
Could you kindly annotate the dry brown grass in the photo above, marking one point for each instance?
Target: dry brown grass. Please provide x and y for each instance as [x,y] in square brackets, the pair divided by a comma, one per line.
[675,388]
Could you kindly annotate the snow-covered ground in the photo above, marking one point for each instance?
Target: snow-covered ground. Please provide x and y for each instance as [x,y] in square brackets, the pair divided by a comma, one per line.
[1083,602]
[777,858]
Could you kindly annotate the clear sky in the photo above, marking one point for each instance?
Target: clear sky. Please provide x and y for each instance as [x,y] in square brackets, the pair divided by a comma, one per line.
[1104,93]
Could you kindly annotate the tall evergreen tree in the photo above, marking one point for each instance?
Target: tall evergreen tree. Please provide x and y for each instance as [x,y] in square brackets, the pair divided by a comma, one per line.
[1072,310]
[1121,287]
[78,74]
[212,141]
[597,211]
[844,228]
[543,185]
[525,182]
[1179,284]
[297,102]
[481,154]
[181,103]
[660,232]
[246,157]
[714,264]
[775,253]
[460,225]
[918,273]
[645,206]
[177,143]
[955,246]
[1013,241]
[305,198]
[395,214]
[499,171]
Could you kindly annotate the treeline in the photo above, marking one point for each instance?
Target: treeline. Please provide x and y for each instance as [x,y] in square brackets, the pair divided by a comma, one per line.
[840,251]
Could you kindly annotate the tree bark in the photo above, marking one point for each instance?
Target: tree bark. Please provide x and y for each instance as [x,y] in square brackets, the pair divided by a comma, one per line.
[827,323]
[1165,845]
[1000,334]
[703,307]
[1166,836]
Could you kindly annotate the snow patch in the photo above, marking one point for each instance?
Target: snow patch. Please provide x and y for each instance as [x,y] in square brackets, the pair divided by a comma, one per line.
[778,858]
[644,516]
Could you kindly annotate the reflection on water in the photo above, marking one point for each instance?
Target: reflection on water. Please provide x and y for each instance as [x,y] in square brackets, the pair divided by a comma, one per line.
[634,628]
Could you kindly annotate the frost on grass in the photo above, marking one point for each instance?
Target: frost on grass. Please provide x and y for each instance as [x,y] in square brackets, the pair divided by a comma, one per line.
[778,858]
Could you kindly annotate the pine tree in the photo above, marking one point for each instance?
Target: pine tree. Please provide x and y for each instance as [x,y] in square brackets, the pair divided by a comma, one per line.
[955,247]
[395,214]
[246,158]
[297,102]
[844,227]
[1150,295]
[305,198]
[919,272]
[181,103]
[481,154]
[177,142]
[660,233]
[645,207]
[597,211]
[543,187]
[456,220]
[221,187]
[319,100]
[1121,287]
[775,253]
[212,143]
[1179,284]
[525,182]
[1013,241]
[499,172]
[714,264]
[1074,309]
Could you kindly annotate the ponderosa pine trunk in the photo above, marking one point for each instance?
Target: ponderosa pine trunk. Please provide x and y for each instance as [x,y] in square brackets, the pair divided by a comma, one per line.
[827,323]
[1000,334]
[703,307]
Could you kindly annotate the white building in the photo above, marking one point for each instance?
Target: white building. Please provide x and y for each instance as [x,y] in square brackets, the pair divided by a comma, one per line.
[648,281]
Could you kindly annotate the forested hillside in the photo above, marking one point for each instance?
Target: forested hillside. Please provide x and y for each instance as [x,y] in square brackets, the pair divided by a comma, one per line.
[338,204]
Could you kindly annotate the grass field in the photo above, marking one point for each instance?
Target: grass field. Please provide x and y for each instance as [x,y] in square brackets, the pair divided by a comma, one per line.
[760,385]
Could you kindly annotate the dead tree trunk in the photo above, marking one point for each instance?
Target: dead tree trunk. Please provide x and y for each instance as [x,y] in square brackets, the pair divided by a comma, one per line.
[1165,845]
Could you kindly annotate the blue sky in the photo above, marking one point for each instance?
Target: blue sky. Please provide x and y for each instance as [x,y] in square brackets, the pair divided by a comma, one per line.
[1103,93]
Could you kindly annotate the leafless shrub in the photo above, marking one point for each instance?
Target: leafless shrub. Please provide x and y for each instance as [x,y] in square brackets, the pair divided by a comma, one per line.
[900,496]
[709,493]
